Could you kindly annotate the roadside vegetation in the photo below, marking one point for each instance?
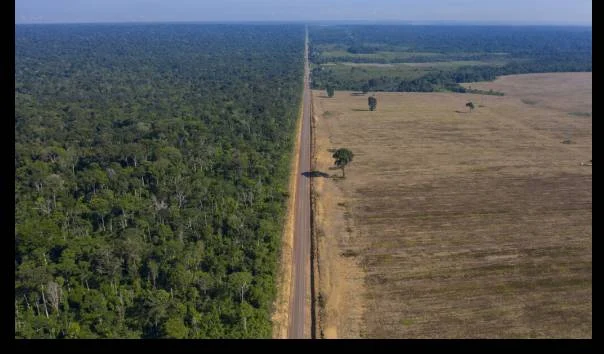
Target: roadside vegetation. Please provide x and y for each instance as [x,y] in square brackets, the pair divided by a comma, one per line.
[342,158]
[151,171]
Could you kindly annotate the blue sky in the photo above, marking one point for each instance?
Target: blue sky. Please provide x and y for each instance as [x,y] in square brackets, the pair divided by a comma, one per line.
[574,12]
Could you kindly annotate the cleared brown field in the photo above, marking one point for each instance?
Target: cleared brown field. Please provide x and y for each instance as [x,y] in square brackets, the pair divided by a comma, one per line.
[452,224]
[568,92]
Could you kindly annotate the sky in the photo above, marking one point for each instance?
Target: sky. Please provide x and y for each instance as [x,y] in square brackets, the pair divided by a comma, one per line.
[569,12]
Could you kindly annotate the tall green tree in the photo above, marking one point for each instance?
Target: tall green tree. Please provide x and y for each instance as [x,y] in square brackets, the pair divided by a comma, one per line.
[330,91]
[343,157]
[372,101]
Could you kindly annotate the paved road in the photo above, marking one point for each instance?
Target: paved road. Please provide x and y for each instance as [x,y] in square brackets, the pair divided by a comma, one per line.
[301,251]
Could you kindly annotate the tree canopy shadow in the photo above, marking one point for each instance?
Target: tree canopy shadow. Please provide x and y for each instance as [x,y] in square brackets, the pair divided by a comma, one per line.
[462,112]
[357,94]
[312,174]
[359,110]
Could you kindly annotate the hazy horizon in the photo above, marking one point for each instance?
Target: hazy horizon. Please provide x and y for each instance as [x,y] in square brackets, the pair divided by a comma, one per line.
[512,12]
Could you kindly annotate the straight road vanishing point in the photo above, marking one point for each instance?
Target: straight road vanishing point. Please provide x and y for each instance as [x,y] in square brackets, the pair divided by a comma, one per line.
[301,251]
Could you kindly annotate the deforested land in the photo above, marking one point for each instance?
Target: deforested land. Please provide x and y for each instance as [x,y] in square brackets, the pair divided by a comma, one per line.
[455,222]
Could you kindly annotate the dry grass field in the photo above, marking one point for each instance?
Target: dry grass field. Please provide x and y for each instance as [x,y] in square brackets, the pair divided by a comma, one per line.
[457,224]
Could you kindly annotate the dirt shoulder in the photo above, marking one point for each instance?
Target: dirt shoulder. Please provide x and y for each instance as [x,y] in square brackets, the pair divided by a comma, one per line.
[280,316]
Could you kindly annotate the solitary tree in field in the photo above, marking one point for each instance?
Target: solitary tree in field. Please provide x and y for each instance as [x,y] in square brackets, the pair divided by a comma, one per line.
[343,157]
[330,91]
[372,103]
[470,105]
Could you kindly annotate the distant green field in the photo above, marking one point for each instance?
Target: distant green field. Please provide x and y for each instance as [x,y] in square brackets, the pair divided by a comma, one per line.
[408,70]
[381,55]
[388,68]
[453,64]
[369,71]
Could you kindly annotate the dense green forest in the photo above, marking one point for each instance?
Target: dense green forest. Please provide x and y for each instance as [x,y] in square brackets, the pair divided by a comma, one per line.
[152,164]
[521,49]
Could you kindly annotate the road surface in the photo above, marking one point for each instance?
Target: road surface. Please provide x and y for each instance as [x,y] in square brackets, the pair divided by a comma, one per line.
[301,252]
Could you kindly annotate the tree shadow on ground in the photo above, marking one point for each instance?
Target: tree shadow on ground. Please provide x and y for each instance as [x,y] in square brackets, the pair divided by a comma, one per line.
[462,112]
[336,176]
[312,174]
[357,94]
[359,110]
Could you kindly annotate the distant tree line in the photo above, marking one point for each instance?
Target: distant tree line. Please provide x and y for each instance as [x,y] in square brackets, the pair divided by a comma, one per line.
[526,49]
[517,41]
